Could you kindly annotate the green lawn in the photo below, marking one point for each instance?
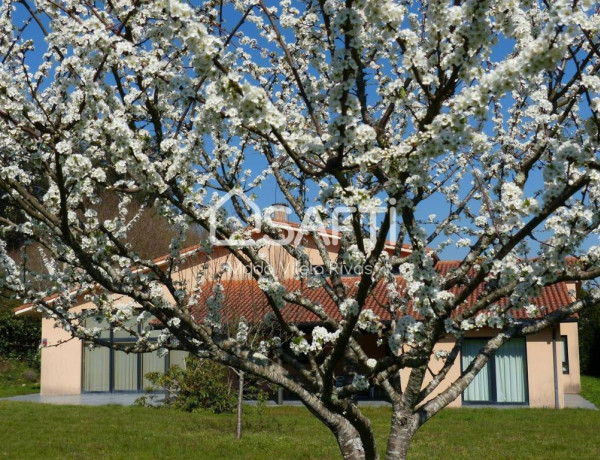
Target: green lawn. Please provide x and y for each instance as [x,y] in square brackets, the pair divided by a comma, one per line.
[113,432]
[12,382]
[22,389]
[590,389]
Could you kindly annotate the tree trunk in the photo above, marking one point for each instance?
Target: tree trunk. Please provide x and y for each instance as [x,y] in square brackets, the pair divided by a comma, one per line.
[350,444]
[404,426]
[350,369]
[238,426]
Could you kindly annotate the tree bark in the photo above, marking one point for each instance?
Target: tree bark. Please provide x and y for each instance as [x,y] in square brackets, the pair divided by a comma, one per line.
[238,426]
[350,369]
[350,444]
[404,426]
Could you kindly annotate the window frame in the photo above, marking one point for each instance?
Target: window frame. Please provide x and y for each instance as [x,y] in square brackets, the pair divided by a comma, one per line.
[564,342]
[493,401]
[111,363]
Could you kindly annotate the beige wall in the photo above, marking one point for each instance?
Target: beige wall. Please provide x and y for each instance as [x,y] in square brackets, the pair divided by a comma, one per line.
[61,365]
[540,370]
[435,365]
[540,367]
[281,261]
[572,380]
[62,359]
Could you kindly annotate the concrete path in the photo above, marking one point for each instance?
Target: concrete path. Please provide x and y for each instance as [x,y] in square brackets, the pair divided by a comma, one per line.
[578,401]
[86,399]
[128,399]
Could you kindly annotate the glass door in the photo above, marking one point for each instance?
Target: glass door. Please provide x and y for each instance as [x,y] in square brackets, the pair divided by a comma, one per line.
[511,372]
[503,380]
[480,389]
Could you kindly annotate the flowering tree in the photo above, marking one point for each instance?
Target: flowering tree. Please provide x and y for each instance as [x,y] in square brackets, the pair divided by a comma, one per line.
[485,112]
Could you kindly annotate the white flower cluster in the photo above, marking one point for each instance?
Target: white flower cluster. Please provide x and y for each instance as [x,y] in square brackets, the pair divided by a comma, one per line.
[408,331]
[267,346]
[174,322]
[300,346]
[121,312]
[214,304]
[360,382]
[368,321]
[269,285]
[349,307]
[315,281]
[320,337]
[353,257]
[241,336]
[441,354]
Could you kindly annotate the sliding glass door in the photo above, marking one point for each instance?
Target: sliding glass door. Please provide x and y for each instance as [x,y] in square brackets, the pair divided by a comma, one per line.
[106,369]
[126,376]
[511,372]
[151,362]
[480,388]
[503,380]
[96,362]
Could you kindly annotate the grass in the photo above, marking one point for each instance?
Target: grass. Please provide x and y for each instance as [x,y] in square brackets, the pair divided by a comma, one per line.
[590,389]
[12,382]
[30,431]
[7,391]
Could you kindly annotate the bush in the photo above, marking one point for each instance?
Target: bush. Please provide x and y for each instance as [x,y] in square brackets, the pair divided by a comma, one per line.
[33,358]
[589,341]
[6,366]
[30,375]
[202,385]
[19,336]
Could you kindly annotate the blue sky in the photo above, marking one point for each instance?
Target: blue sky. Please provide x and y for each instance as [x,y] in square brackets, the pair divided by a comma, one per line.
[268,192]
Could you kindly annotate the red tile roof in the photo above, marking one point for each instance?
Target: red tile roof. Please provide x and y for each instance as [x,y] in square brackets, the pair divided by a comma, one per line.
[197,247]
[245,298]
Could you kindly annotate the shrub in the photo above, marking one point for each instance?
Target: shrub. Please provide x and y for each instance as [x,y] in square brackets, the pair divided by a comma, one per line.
[589,341]
[202,385]
[19,336]
[6,366]
[30,375]
[33,358]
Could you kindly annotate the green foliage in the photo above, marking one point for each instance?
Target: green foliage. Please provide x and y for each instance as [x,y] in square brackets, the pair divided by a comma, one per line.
[202,385]
[17,378]
[19,336]
[30,375]
[6,303]
[590,389]
[589,340]
[33,358]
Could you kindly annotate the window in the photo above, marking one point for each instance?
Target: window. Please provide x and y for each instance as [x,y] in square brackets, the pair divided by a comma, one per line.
[503,380]
[105,369]
[565,354]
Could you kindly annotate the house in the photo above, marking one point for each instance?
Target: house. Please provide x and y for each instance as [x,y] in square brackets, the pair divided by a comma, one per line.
[536,371]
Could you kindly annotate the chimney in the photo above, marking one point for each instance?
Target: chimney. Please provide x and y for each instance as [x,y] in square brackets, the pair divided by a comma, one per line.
[280,212]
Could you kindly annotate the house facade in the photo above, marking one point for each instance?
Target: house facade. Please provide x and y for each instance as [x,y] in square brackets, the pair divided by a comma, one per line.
[535,371]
